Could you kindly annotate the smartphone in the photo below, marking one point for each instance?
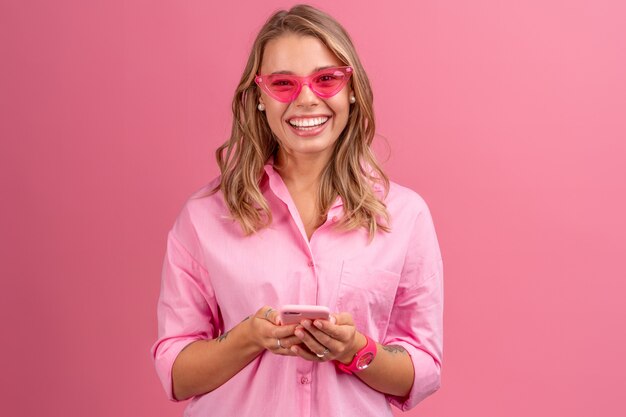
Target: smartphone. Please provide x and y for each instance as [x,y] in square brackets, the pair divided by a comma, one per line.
[295,313]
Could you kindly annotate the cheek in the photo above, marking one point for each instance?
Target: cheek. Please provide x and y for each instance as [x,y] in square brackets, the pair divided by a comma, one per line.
[274,117]
[342,112]
[340,104]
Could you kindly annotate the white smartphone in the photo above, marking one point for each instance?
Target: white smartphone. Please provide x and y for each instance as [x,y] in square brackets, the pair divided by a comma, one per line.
[295,313]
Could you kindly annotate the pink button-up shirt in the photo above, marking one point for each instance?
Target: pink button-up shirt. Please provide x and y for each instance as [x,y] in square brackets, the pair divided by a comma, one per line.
[213,277]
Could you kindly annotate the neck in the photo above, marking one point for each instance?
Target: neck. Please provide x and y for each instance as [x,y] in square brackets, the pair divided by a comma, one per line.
[300,171]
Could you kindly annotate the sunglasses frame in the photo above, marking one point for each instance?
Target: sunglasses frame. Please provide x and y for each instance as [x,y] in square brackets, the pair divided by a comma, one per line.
[260,80]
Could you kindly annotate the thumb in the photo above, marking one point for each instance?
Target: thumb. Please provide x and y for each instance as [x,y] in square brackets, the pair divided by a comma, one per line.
[343,318]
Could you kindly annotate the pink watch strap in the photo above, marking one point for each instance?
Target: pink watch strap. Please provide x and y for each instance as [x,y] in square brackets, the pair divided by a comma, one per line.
[362,358]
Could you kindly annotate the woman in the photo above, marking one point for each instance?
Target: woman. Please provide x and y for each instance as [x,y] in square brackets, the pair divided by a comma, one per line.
[301,214]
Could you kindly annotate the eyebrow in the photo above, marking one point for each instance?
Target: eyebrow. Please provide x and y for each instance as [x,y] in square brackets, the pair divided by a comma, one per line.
[314,71]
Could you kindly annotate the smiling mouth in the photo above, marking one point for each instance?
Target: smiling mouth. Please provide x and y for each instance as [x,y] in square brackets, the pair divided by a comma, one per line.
[305,124]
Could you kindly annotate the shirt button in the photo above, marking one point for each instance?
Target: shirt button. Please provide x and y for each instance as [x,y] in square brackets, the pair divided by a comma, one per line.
[304,380]
[311,264]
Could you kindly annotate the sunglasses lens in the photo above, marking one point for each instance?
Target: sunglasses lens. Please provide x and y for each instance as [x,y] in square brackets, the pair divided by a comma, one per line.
[328,83]
[282,87]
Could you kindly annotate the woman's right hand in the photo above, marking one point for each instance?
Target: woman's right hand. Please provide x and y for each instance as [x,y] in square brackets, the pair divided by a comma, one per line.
[205,365]
[270,335]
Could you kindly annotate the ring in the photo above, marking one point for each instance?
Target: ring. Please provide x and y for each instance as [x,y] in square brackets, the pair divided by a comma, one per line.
[267,313]
[278,345]
[321,355]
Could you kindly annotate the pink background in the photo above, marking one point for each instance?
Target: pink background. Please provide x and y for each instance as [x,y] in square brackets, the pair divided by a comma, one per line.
[508,117]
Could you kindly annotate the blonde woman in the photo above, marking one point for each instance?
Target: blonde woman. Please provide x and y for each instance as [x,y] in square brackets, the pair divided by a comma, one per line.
[301,214]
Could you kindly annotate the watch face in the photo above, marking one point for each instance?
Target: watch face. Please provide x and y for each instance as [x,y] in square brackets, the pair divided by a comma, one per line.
[365,360]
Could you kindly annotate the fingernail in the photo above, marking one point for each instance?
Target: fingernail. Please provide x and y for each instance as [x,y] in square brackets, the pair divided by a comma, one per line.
[333,319]
[294,349]
[306,323]
[299,333]
[317,324]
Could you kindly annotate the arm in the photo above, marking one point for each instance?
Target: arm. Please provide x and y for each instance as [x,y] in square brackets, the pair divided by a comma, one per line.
[391,372]
[192,355]
[416,322]
[416,326]
[207,364]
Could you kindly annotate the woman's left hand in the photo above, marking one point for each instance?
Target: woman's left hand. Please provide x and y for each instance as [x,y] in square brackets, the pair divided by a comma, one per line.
[334,339]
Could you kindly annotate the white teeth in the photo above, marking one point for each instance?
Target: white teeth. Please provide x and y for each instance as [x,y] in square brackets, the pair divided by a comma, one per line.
[314,121]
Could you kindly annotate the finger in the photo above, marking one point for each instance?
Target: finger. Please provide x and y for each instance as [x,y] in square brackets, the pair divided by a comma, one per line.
[268,330]
[322,337]
[288,342]
[300,351]
[284,349]
[262,311]
[343,319]
[272,316]
[341,332]
[309,341]
[339,343]
[284,331]
[281,346]
[283,352]
[268,313]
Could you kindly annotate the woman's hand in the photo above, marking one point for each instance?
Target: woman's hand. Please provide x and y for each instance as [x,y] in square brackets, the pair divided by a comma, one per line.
[267,332]
[334,339]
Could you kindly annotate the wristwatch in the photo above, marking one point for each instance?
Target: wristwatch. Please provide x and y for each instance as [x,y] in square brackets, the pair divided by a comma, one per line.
[362,359]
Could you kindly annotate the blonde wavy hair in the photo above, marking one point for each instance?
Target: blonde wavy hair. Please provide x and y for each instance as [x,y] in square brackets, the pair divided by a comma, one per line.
[352,170]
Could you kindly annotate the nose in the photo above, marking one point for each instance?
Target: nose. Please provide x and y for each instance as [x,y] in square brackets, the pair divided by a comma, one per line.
[306,97]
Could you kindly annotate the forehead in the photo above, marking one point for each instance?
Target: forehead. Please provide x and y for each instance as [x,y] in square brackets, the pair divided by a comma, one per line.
[297,54]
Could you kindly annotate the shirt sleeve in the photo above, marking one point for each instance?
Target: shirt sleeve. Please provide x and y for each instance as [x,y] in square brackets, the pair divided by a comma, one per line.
[187,310]
[416,321]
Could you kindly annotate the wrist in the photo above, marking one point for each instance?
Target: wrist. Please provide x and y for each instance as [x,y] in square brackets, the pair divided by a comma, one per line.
[361,360]
[252,340]
[359,343]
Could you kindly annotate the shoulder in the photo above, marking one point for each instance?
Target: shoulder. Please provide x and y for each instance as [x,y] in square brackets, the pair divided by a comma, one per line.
[404,200]
[199,213]
[205,199]
[409,213]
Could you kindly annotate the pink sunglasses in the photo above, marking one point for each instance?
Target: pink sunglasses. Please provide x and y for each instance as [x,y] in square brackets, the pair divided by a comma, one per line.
[324,83]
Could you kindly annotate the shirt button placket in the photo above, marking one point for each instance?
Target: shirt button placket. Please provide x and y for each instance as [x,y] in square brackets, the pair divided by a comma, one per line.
[304,380]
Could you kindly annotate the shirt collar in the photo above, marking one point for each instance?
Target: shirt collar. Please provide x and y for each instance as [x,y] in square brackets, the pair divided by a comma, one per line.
[278,187]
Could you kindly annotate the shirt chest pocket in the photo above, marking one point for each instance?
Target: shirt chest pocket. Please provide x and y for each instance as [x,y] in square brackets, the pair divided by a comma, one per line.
[368,295]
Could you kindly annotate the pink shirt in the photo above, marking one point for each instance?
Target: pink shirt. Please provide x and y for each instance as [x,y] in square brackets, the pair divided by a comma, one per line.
[213,277]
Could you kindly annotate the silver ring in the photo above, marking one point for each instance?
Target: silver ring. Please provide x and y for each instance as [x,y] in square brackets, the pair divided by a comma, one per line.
[267,313]
[321,355]
[278,345]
